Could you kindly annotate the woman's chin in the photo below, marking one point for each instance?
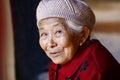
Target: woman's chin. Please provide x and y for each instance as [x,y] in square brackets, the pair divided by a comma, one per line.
[60,61]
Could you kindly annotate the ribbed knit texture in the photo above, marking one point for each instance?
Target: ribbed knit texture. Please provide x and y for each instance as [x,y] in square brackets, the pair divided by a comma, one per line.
[75,10]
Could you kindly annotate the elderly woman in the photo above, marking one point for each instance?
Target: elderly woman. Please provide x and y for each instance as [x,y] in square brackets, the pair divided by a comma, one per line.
[64,29]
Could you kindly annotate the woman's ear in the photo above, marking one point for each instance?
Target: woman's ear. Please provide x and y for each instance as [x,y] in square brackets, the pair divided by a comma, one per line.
[84,35]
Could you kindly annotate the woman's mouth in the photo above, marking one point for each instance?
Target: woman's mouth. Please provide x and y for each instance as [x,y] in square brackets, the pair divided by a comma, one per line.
[55,54]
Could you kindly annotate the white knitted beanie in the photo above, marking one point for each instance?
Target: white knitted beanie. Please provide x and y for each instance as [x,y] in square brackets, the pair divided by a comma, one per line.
[75,10]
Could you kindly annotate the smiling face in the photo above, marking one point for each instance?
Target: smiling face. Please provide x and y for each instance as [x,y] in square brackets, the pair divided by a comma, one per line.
[57,41]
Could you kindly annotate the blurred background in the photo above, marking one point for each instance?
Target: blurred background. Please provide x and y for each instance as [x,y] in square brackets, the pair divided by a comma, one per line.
[21,57]
[107,27]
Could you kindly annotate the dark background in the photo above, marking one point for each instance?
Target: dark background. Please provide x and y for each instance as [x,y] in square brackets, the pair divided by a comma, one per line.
[30,60]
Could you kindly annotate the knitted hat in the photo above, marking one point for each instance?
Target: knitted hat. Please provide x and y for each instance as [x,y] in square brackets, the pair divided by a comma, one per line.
[75,10]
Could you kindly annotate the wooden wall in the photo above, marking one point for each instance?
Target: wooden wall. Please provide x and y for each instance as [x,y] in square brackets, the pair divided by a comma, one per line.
[6,42]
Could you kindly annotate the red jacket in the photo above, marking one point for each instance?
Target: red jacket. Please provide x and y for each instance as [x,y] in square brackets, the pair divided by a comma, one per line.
[91,62]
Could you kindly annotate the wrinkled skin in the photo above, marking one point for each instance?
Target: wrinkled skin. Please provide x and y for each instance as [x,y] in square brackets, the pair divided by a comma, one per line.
[57,41]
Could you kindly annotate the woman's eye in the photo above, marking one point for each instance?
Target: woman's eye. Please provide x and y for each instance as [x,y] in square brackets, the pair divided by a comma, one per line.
[58,33]
[43,35]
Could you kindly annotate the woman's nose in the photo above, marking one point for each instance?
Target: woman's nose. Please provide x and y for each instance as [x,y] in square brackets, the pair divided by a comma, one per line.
[52,43]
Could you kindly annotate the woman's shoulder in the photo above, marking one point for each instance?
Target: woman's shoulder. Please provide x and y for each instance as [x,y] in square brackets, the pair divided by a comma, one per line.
[101,56]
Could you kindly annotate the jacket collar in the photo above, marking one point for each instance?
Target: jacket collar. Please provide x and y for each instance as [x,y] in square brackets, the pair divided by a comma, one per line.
[71,67]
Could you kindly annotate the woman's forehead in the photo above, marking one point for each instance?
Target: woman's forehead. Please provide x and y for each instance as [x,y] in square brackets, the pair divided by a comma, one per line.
[51,22]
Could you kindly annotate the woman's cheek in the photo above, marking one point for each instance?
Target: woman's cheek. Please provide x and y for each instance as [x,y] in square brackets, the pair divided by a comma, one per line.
[64,41]
[42,44]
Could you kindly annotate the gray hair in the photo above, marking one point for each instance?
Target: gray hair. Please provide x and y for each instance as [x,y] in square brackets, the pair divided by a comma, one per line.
[76,27]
